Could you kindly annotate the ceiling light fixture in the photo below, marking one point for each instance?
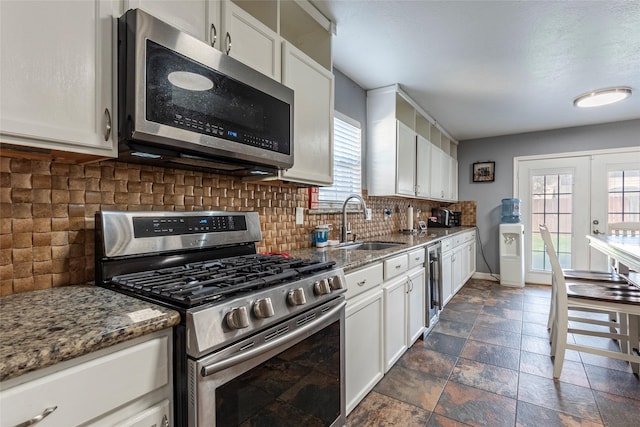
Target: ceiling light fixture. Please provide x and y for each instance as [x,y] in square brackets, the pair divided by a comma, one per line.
[600,97]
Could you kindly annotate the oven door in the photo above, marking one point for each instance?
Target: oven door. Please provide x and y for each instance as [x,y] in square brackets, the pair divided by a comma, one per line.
[290,374]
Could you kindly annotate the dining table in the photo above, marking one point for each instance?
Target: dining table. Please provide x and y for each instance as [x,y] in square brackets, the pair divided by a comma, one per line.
[624,250]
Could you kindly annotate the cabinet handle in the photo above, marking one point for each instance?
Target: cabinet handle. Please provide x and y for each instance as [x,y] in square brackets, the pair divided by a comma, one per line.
[362,283]
[398,267]
[228,48]
[165,420]
[107,130]
[38,418]
[213,35]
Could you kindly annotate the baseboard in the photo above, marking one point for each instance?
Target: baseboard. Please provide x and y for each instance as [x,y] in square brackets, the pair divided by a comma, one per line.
[486,276]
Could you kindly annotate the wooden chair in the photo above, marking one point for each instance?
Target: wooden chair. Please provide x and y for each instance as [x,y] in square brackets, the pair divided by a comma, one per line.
[617,298]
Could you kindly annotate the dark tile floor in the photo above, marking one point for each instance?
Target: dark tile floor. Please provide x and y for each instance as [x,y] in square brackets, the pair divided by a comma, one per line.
[487,363]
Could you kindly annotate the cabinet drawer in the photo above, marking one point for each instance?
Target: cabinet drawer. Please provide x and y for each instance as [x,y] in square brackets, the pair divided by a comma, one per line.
[416,258]
[364,279]
[396,265]
[90,389]
[458,240]
[446,244]
[468,237]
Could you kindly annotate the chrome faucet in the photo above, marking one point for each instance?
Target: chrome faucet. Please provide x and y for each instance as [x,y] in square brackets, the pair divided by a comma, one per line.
[346,230]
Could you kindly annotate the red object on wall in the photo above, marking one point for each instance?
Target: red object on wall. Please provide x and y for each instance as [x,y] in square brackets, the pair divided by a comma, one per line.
[314,203]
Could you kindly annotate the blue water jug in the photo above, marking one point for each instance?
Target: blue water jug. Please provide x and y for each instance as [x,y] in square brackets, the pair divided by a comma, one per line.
[510,211]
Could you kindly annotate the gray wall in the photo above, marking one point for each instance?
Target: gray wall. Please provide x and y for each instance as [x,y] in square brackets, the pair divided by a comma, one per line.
[351,100]
[503,149]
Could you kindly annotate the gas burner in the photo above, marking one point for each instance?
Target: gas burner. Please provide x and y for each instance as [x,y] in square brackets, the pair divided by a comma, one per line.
[211,281]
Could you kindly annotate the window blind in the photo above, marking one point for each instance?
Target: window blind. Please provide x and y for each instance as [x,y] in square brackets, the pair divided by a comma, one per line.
[347,163]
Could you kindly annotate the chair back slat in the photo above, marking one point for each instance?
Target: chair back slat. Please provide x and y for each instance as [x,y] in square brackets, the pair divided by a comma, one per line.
[558,276]
[624,228]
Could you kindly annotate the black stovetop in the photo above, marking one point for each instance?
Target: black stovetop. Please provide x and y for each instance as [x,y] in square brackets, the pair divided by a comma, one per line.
[205,282]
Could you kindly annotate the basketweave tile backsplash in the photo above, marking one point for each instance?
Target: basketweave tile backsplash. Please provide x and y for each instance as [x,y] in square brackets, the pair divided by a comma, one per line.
[47,213]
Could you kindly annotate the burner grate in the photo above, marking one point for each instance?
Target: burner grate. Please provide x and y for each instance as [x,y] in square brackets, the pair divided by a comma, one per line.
[209,281]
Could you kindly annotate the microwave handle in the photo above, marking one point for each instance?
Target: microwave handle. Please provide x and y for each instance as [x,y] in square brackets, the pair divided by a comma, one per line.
[243,357]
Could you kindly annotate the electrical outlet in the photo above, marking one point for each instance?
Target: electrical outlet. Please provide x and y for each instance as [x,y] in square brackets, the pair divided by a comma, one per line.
[299,216]
[368,214]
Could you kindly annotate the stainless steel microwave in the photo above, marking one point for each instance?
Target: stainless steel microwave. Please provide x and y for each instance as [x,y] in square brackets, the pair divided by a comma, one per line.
[185,104]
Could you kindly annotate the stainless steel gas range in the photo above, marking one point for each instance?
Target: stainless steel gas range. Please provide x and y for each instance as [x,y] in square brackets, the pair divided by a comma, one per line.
[261,341]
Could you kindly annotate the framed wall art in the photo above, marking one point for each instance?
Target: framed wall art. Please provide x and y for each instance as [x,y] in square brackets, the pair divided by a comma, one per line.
[484,171]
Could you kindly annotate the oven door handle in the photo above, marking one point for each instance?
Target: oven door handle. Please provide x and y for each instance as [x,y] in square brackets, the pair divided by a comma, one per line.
[243,357]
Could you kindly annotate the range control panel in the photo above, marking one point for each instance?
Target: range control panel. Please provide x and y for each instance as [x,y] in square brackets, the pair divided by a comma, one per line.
[179,225]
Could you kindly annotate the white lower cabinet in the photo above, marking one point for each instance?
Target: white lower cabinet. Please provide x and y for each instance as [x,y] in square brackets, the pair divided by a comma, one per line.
[128,384]
[416,304]
[395,314]
[363,333]
[458,263]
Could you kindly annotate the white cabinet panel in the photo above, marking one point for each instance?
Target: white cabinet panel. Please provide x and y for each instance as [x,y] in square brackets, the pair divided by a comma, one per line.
[423,167]
[56,75]
[364,346]
[395,315]
[92,388]
[250,41]
[416,305]
[406,159]
[313,118]
[194,17]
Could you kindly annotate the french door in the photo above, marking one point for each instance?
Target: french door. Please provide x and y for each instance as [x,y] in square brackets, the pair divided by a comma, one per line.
[574,196]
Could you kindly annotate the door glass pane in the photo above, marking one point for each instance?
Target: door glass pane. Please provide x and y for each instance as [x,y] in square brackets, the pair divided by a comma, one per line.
[552,204]
[624,195]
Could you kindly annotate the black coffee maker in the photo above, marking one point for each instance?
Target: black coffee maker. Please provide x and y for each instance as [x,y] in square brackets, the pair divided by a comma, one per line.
[440,217]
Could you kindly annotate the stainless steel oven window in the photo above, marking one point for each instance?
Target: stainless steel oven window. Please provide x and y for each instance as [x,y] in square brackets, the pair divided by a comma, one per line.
[300,379]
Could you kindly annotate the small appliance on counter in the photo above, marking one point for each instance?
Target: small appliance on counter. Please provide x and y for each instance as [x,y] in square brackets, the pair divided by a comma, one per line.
[456,218]
[440,218]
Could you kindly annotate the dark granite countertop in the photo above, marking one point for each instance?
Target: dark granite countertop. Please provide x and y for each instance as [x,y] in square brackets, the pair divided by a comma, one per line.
[41,328]
[353,259]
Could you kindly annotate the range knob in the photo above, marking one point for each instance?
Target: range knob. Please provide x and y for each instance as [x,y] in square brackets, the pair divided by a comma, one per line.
[237,318]
[296,297]
[263,308]
[336,283]
[321,287]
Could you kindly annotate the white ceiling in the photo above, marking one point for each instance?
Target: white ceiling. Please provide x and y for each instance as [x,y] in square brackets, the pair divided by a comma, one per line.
[488,68]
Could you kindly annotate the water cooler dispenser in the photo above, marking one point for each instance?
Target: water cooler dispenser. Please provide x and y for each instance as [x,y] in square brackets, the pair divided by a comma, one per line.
[511,244]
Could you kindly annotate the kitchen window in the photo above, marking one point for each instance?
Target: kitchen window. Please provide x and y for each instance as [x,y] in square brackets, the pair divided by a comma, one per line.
[347,162]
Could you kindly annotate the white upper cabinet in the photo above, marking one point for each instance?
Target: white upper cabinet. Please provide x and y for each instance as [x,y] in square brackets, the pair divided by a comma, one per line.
[402,160]
[199,18]
[406,160]
[313,118]
[423,167]
[57,68]
[249,40]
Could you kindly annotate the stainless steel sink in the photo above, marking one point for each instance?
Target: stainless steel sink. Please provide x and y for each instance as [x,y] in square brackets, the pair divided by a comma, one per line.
[369,246]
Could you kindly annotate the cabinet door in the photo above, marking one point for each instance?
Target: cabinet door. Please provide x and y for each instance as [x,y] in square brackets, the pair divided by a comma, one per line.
[447,277]
[472,256]
[416,305]
[364,352]
[56,75]
[250,41]
[195,17]
[456,270]
[313,118]
[423,166]
[395,314]
[445,176]
[436,189]
[453,190]
[406,158]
